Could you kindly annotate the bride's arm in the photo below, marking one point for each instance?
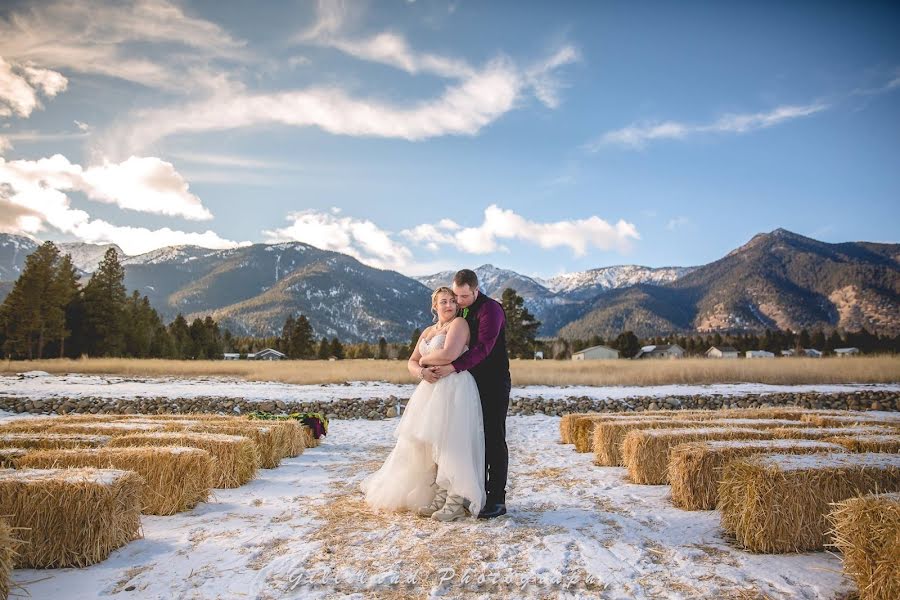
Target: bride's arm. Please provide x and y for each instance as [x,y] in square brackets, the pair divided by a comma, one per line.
[457,338]
[412,365]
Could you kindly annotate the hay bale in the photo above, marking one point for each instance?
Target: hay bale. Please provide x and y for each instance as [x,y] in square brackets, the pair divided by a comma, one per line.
[645,452]
[43,424]
[609,435]
[854,419]
[822,433]
[70,517]
[868,443]
[176,478]
[567,427]
[779,502]
[109,428]
[695,468]
[756,423]
[8,457]
[7,557]
[583,432]
[52,440]
[867,532]
[236,457]
[268,438]
[295,438]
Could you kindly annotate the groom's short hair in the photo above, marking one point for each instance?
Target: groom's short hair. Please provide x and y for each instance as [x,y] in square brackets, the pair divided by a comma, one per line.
[466,277]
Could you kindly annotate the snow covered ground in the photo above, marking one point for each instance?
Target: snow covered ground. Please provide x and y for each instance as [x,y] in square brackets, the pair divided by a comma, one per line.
[104,386]
[574,530]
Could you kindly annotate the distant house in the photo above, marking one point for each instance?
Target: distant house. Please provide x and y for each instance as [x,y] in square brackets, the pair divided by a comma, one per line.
[596,353]
[759,354]
[267,354]
[788,353]
[846,351]
[812,353]
[232,356]
[722,352]
[661,351]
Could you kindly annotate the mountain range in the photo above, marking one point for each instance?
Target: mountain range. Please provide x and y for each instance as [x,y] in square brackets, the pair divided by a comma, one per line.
[777,279]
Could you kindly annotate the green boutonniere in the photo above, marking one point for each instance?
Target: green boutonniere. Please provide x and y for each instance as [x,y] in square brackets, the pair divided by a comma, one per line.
[465,313]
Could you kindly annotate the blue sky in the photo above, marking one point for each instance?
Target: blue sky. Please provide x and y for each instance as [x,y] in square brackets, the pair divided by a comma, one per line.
[422,136]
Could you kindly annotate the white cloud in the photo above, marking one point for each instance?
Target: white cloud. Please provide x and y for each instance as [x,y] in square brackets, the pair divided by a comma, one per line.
[542,78]
[463,109]
[638,135]
[143,184]
[361,239]
[106,37]
[578,235]
[20,85]
[81,126]
[473,98]
[32,198]
[5,145]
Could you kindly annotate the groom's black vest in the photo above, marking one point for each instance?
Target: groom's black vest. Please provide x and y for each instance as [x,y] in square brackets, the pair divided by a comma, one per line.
[495,368]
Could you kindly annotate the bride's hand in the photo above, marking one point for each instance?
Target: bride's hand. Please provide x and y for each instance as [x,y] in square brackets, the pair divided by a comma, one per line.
[429,375]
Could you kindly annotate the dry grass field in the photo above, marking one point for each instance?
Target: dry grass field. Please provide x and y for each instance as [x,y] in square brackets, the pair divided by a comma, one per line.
[781,371]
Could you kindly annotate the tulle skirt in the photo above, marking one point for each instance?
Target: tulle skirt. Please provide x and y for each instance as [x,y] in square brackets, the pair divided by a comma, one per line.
[440,439]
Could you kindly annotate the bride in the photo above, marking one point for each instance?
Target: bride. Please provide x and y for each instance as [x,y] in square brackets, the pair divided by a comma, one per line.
[437,465]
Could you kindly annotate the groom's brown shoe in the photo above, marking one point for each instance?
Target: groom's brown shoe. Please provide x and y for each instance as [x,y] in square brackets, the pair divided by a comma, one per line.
[492,511]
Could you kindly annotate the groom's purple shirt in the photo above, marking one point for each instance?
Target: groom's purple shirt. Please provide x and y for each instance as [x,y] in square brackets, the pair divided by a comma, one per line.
[490,319]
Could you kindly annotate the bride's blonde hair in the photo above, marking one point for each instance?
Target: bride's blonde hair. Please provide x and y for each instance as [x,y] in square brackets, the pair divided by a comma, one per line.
[434,296]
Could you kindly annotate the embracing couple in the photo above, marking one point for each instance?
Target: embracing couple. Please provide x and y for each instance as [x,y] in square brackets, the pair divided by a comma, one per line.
[451,456]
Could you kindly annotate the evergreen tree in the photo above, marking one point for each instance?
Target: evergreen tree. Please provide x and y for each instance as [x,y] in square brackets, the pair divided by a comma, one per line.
[181,337]
[521,326]
[324,350]
[364,351]
[382,353]
[64,289]
[287,336]
[627,344]
[336,349]
[303,341]
[29,314]
[104,299]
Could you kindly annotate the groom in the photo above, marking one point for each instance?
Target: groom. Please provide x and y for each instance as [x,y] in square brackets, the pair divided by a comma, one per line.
[488,362]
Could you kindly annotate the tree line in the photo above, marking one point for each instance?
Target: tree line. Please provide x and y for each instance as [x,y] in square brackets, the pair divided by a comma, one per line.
[49,314]
[628,344]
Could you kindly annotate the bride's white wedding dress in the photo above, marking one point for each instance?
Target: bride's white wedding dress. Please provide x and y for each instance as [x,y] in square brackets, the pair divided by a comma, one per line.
[440,439]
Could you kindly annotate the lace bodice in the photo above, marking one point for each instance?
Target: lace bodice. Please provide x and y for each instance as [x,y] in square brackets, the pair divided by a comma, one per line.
[435,343]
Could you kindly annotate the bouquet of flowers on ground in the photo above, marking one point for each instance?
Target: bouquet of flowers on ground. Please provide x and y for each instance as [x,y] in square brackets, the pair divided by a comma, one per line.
[317,422]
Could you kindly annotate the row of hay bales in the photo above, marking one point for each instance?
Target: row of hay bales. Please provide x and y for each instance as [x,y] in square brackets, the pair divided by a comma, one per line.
[775,475]
[72,488]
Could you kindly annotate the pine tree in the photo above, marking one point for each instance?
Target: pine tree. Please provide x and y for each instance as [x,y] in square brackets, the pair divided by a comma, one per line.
[521,326]
[181,337]
[65,288]
[285,342]
[105,298]
[303,341]
[336,349]
[324,350]
[382,353]
[627,344]
[31,314]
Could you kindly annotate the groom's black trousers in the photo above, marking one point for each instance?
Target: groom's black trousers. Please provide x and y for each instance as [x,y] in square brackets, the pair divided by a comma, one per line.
[494,405]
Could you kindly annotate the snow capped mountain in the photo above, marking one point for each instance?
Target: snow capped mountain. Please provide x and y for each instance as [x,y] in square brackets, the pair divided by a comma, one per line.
[87,257]
[13,250]
[492,281]
[587,283]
